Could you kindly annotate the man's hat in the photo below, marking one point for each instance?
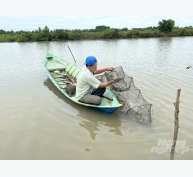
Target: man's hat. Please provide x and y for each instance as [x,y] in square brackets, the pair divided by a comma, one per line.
[90,60]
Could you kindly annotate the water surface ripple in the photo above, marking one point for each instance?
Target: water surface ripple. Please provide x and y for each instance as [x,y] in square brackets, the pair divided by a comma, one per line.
[38,122]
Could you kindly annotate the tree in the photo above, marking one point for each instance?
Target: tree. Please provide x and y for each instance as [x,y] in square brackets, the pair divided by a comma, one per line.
[101,28]
[166,25]
[42,34]
[2,32]
[124,29]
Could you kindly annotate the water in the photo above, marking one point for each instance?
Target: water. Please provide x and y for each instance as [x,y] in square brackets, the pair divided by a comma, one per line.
[38,122]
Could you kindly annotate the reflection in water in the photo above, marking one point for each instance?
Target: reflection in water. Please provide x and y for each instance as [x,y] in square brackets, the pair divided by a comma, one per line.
[48,83]
[163,52]
[93,120]
[164,46]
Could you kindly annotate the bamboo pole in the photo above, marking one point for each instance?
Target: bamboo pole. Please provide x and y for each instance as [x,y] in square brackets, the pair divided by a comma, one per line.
[71,53]
[72,79]
[176,123]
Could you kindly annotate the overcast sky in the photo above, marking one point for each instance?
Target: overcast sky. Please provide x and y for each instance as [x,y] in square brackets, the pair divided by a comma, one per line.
[83,14]
[30,23]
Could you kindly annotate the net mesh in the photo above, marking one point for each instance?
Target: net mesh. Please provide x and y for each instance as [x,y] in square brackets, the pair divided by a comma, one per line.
[127,94]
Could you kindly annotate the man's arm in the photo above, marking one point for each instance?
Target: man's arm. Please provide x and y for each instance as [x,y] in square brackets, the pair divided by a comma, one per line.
[104,84]
[101,70]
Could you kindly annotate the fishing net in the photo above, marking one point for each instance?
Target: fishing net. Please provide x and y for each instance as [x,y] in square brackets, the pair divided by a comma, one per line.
[127,94]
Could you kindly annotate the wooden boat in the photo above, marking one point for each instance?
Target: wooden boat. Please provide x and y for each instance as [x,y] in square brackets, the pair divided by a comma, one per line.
[64,76]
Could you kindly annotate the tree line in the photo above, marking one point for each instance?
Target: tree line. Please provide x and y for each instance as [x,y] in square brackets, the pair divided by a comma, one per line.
[164,28]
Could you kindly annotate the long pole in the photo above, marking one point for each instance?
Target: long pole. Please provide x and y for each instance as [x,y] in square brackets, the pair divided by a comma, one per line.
[176,122]
[71,53]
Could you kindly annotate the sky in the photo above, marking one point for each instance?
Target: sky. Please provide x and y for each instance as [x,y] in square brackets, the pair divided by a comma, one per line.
[82,14]
[30,23]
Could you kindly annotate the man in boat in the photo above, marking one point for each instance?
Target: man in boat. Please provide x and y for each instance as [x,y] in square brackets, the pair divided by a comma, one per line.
[89,89]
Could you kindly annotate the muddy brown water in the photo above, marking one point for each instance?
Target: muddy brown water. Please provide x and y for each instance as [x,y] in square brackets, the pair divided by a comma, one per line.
[38,122]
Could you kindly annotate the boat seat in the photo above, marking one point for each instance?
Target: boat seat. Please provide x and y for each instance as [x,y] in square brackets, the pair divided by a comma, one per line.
[76,77]
[69,66]
[75,73]
[55,66]
[71,70]
[54,69]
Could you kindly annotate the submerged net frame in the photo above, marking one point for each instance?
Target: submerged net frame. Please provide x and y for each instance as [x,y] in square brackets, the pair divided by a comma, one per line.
[127,94]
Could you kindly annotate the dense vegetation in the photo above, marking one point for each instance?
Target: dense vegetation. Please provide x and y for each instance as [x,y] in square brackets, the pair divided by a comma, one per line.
[164,28]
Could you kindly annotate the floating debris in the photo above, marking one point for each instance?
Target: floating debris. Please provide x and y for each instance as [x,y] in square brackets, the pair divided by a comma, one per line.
[189,67]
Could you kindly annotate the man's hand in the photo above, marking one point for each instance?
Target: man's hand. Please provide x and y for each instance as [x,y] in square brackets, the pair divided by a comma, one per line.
[98,71]
[110,69]
[117,79]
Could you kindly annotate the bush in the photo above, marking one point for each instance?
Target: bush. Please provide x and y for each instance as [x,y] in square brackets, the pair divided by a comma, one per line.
[144,34]
[129,34]
[74,35]
[24,37]
[60,34]
[123,34]
[11,39]
[186,32]
[110,34]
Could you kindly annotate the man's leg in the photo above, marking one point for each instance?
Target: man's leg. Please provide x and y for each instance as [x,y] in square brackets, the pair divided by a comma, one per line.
[91,99]
[99,91]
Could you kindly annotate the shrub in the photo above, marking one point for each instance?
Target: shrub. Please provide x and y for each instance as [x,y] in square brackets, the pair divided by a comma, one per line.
[110,34]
